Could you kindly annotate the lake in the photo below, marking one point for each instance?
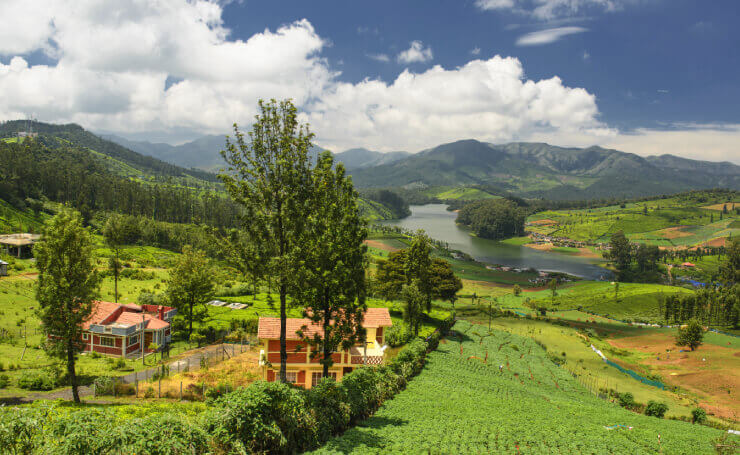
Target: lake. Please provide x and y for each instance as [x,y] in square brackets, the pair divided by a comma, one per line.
[440,224]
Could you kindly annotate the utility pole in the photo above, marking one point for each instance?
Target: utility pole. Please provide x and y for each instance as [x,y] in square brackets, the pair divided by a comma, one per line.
[141,336]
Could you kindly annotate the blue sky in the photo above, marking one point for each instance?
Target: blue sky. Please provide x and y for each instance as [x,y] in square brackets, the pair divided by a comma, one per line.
[645,76]
[650,63]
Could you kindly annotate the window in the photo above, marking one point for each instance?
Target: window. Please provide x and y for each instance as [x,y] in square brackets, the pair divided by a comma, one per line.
[316,377]
[107,341]
[85,336]
[291,377]
[133,340]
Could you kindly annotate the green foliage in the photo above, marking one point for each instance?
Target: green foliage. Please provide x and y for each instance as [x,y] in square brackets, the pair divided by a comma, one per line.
[398,206]
[698,415]
[493,218]
[331,277]
[36,380]
[730,269]
[330,406]
[692,335]
[398,335]
[269,177]
[656,409]
[264,417]
[626,400]
[191,285]
[67,285]
[413,307]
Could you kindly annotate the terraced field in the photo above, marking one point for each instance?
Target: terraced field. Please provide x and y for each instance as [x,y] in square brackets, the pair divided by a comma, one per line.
[673,222]
[496,392]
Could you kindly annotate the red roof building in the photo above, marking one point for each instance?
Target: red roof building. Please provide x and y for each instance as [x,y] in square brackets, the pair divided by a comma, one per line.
[117,329]
[306,371]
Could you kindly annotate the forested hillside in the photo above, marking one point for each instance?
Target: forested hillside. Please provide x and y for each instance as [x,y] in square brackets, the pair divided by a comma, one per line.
[542,170]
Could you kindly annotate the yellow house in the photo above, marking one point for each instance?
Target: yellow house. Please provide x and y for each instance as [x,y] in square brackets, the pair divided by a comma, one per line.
[305,371]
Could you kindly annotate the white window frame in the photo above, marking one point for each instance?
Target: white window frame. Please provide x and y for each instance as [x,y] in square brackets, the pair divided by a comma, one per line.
[317,376]
[291,377]
[112,342]
[85,336]
[132,340]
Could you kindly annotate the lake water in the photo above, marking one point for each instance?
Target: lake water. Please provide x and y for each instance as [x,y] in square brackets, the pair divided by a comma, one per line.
[440,224]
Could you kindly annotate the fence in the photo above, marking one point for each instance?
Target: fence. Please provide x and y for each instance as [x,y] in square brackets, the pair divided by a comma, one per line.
[644,380]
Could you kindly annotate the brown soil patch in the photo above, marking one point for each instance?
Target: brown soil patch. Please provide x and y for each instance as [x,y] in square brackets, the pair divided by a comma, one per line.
[721,205]
[711,372]
[545,222]
[722,241]
[540,246]
[674,232]
[380,245]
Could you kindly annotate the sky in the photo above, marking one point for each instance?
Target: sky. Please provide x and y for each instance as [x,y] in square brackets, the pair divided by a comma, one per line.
[643,76]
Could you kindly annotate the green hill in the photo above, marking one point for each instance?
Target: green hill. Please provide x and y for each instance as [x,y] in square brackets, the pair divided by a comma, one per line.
[463,403]
[542,170]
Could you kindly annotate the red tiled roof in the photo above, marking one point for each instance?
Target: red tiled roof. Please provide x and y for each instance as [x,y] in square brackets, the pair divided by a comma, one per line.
[129,315]
[269,327]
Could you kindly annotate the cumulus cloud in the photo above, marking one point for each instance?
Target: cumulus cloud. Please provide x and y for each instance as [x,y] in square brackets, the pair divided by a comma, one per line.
[547,36]
[484,99]
[113,58]
[552,9]
[416,53]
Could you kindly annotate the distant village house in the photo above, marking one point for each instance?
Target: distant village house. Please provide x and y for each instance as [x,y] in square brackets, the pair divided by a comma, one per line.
[19,244]
[115,329]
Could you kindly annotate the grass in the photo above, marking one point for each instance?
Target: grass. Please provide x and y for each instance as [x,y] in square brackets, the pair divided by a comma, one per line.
[680,221]
[517,241]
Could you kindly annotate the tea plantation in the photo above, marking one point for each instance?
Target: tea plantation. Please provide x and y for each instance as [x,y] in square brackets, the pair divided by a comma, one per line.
[463,403]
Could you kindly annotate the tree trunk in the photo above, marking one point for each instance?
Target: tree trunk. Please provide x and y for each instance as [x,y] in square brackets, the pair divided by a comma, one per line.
[190,329]
[327,348]
[71,371]
[283,343]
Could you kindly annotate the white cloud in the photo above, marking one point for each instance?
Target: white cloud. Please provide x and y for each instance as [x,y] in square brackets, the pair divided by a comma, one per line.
[380,57]
[552,9]
[586,55]
[547,36]
[113,59]
[711,142]
[484,99]
[417,53]
[475,51]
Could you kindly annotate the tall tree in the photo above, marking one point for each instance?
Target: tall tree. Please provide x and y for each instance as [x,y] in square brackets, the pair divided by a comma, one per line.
[418,264]
[730,269]
[269,176]
[414,301]
[553,285]
[692,335]
[115,236]
[620,252]
[67,285]
[445,284]
[331,279]
[191,284]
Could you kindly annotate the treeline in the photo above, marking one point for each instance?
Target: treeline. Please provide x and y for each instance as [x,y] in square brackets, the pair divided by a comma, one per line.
[33,171]
[634,262]
[78,136]
[493,218]
[710,306]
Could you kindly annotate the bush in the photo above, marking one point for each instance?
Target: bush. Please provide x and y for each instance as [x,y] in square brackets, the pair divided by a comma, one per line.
[219,390]
[398,335]
[36,380]
[4,381]
[266,417]
[329,403]
[656,409]
[698,415]
[160,434]
[103,385]
[626,400]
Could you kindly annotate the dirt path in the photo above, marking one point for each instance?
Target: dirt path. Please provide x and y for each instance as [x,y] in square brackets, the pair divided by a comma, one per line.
[190,361]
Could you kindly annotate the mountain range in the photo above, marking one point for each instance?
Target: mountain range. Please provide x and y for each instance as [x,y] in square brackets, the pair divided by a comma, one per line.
[543,170]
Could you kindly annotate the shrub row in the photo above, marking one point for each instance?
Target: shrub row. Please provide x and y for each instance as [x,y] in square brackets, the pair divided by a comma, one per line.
[271,417]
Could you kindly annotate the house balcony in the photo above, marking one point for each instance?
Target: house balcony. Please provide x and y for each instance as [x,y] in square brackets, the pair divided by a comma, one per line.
[372,355]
